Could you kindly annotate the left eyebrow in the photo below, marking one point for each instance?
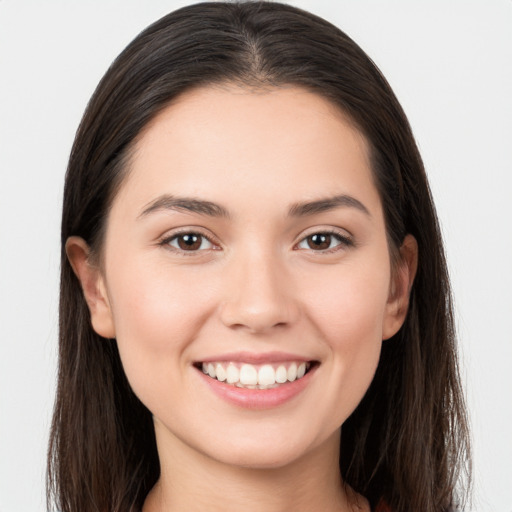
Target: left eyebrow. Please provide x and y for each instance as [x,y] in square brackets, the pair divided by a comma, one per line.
[189,204]
[327,204]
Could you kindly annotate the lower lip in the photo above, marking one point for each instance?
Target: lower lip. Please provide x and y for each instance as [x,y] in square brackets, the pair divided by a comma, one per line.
[258,398]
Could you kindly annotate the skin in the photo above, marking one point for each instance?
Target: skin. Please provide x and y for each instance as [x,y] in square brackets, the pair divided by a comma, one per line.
[256,286]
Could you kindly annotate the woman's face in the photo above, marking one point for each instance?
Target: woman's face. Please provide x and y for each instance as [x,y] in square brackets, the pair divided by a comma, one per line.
[248,239]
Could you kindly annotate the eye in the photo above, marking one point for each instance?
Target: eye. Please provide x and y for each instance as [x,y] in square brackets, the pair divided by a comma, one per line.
[189,242]
[324,241]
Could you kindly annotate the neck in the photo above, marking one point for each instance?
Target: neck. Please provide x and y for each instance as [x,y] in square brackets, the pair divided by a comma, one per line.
[193,482]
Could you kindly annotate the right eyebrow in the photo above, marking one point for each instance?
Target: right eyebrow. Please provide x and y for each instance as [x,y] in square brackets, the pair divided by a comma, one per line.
[187,204]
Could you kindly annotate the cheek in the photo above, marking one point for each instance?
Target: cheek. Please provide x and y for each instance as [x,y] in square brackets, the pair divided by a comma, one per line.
[349,316]
[349,307]
[153,304]
[157,314]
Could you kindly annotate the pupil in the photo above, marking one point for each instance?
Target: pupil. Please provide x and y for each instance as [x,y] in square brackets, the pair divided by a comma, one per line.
[189,242]
[190,239]
[320,241]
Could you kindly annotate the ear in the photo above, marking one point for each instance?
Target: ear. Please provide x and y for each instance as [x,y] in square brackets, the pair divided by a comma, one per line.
[400,289]
[93,286]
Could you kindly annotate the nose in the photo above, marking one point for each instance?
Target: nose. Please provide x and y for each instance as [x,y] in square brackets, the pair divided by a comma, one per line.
[259,295]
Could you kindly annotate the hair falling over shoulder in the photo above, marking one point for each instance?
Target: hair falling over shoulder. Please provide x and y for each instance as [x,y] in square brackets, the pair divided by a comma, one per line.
[407,443]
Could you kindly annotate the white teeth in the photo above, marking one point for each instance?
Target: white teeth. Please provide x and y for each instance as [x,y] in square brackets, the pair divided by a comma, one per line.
[281,375]
[248,375]
[266,375]
[292,372]
[232,374]
[220,372]
[255,377]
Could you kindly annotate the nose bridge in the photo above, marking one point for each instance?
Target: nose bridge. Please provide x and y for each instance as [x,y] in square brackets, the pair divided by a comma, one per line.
[259,293]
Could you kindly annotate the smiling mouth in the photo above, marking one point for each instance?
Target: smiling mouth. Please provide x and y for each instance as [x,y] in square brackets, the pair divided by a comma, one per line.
[249,376]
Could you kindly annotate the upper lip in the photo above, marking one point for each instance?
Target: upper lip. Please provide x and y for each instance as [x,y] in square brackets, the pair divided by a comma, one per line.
[255,357]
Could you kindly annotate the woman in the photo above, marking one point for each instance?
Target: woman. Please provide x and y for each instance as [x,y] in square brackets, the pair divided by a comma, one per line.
[255,308]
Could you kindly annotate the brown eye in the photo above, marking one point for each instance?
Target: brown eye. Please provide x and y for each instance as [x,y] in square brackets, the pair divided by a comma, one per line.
[190,242]
[319,241]
[325,241]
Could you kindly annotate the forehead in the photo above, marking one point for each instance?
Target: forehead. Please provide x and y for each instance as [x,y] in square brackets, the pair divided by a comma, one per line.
[285,142]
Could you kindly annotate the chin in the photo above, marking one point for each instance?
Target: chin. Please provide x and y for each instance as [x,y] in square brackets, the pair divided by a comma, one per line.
[272,451]
[258,458]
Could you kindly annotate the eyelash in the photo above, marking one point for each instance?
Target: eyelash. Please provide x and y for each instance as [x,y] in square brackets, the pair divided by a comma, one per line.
[183,252]
[344,242]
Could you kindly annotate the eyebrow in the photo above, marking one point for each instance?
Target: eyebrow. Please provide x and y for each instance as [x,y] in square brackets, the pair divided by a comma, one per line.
[202,207]
[326,204]
[188,204]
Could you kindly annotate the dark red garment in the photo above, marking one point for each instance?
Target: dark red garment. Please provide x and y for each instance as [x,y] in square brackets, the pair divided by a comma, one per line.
[382,507]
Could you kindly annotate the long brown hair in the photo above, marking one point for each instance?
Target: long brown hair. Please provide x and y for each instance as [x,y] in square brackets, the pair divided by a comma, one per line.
[407,441]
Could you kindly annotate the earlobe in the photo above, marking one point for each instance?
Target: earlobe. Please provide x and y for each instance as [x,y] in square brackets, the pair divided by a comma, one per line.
[93,286]
[402,280]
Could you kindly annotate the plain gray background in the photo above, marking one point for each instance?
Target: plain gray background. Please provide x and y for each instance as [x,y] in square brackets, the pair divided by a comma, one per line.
[450,64]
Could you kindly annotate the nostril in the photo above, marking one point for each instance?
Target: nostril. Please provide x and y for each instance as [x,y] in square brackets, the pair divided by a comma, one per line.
[258,317]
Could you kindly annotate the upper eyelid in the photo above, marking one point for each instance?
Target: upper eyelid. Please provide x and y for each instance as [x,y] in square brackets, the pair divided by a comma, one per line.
[166,239]
[187,230]
[342,233]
